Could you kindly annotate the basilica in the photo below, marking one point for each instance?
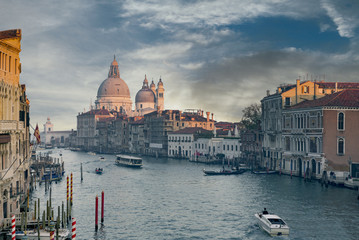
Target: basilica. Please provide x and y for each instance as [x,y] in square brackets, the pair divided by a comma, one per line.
[114,95]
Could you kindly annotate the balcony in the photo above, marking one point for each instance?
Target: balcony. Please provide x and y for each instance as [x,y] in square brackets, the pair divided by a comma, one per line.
[8,125]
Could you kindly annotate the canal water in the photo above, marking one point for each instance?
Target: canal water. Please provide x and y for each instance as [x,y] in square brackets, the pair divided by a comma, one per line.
[173,199]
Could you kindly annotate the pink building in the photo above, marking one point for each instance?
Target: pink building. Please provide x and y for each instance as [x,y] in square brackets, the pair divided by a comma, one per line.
[321,135]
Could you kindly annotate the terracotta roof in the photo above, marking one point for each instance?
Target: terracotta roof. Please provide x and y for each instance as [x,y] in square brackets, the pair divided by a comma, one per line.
[10,33]
[191,130]
[340,85]
[97,112]
[184,115]
[345,98]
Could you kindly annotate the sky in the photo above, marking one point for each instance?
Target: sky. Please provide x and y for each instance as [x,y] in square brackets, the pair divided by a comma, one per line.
[218,56]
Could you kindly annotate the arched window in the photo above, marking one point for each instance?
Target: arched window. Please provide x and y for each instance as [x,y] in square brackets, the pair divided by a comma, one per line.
[340,146]
[341,121]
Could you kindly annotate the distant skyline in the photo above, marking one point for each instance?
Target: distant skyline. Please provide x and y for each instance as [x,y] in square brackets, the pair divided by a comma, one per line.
[218,56]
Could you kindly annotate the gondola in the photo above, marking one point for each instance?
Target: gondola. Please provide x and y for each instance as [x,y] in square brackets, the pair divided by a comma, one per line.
[224,172]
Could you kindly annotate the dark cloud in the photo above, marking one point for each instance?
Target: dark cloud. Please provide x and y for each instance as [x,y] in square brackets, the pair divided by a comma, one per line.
[215,55]
[238,82]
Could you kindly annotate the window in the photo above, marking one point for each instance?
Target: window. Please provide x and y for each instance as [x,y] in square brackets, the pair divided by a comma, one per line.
[340,146]
[313,145]
[318,167]
[287,143]
[341,121]
[287,101]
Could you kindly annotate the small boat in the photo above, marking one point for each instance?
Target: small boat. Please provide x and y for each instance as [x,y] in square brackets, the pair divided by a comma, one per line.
[52,176]
[102,158]
[272,224]
[99,170]
[223,172]
[129,161]
[265,172]
[32,234]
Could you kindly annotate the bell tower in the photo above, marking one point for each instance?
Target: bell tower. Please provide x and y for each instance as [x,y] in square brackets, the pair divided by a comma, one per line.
[160,95]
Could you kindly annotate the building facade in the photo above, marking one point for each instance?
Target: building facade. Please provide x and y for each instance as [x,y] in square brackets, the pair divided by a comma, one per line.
[14,127]
[53,138]
[316,135]
[251,148]
[285,97]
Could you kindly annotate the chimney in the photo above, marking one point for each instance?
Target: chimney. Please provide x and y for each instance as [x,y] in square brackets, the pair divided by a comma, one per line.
[268,93]
[180,115]
[336,86]
[202,113]
[208,115]
[212,116]
[297,90]
[279,90]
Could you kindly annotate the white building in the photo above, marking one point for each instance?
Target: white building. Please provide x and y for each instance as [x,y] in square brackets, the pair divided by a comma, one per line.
[192,143]
[54,138]
[181,142]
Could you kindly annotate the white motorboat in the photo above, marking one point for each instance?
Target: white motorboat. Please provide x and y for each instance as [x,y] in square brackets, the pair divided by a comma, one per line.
[129,161]
[272,224]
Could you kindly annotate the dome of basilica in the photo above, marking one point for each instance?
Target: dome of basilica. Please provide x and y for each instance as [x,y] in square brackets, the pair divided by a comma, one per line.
[113,87]
[145,95]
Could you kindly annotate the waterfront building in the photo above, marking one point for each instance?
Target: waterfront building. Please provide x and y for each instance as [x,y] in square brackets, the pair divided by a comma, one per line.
[14,127]
[285,97]
[222,145]
[157,126]
[321,135]
[181,142]
[87,133]
[53,138]
[136,135]
[251,148]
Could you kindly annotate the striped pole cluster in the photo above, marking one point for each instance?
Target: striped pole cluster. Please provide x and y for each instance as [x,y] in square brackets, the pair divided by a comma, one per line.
[13,231]
[71,188]
[73,228]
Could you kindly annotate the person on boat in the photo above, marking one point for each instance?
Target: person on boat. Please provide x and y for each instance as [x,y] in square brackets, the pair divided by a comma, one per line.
[265,211]
[96,169]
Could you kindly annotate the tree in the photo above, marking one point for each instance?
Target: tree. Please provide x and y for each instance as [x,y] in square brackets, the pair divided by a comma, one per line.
[251,118]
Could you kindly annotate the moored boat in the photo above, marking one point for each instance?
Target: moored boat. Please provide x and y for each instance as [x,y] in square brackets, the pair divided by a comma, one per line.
[272,224]
[129,161]
[64,234]
[265,172]
[99,170]
[223,172]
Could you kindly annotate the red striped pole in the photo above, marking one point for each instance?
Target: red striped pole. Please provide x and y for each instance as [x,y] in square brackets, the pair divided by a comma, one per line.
[52,235]
[96,214]
[102,206]
[67,188]
[13,230]
[73,228]
[71,189]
